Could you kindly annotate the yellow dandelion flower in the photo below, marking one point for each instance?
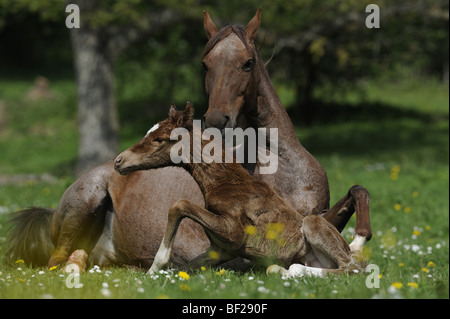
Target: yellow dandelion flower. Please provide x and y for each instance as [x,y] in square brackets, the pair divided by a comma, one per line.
[425,269]
[407,210]
[213,254]
[221,272]
[427,227]
[273,230]
[278,227]
[416,232]
[271,234]
[202,268]
[250,230]
[414,285]
[183,275]
[415,194]
[401,264]
[397,207]
[397,285]
[53,268]
[431,264]
[396,169]
[20,261]
[394,176]
[163,296]
[185,287]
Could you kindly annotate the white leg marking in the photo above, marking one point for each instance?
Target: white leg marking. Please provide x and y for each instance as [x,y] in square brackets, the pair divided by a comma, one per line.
[357,243]
[299,270]
[161,259]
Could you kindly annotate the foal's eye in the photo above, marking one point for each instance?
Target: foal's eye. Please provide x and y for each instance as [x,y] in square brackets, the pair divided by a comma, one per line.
[158,140]
[247,65]
[205,67]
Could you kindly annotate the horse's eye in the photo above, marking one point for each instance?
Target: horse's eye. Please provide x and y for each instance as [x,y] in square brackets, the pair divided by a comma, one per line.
[204,66]
[158,140]
[247,65]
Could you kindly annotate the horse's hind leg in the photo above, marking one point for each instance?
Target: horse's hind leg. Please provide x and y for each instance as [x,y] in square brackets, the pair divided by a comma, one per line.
[357,199]
[79,219]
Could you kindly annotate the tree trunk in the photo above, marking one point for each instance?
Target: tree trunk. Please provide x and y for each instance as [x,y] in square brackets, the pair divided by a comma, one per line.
[97,112]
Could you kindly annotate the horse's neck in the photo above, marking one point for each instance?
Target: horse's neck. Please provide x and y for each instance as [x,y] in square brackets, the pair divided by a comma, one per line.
[272,114]
[297,169]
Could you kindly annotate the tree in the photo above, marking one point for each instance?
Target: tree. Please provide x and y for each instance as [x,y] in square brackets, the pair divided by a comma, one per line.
[108,28]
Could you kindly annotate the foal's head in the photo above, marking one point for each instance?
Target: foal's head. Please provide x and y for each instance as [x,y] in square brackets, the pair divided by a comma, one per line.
[229,60]
[153,150]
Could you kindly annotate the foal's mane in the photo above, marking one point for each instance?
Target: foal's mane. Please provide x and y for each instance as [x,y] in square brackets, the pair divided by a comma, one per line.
[223,33]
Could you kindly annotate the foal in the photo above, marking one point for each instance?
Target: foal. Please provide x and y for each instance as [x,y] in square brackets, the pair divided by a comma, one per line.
[243,216]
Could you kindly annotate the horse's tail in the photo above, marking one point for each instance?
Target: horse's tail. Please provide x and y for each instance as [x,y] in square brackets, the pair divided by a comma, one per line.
[29,237]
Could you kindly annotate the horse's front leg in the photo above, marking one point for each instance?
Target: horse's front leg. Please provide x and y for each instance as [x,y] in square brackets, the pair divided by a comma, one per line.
[183,208]
[357,199]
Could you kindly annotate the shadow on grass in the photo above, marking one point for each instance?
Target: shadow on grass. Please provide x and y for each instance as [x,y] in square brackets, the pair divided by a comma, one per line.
[373,128]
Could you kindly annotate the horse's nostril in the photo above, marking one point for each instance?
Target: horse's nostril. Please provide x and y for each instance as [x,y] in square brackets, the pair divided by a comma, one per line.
[118,161]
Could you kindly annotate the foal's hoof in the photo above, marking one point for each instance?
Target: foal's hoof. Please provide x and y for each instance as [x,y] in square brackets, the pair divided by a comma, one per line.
[275,269]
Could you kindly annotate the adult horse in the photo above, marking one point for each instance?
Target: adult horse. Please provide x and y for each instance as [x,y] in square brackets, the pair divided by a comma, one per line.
[241,94]
[121,219]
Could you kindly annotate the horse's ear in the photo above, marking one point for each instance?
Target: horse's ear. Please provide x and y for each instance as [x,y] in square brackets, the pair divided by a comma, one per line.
[208,24]
[252,27]
[172,111]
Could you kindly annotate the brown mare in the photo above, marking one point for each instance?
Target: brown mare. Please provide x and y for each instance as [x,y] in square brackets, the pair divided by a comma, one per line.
[121,219]
[237,202]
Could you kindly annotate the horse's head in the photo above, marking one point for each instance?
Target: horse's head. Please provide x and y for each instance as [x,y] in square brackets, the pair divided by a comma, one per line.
[153,150]
[229,60]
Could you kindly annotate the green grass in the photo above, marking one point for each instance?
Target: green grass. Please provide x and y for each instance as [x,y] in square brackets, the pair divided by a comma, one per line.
[394,141]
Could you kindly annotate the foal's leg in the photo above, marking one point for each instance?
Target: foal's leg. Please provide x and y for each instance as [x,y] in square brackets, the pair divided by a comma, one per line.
[181,209]
[357,199]
[330,251]
[327,243]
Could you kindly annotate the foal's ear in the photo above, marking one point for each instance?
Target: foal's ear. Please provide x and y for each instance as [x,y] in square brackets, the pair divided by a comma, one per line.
[208,24]
[173,111]
[188,115]
[253,25]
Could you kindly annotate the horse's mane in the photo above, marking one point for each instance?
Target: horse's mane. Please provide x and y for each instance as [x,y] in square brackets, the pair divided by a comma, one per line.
[223,33]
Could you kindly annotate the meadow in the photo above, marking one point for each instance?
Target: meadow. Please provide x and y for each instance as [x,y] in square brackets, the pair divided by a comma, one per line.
[393,140]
